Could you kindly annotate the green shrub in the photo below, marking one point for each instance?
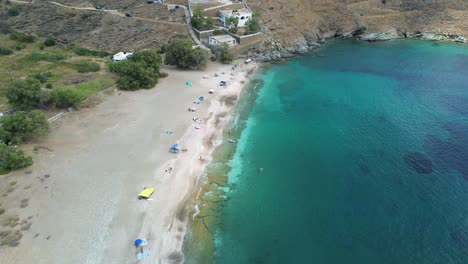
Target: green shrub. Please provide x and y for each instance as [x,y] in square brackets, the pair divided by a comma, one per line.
[13,11]
[49,86]
[199,21]
[23,37]
[25,94]
[218,32]
[81,51]
[21,126]
[253,25]
[49,42]
[73,96]
[20,46]
[66,97]
[43,56]
[180,53]
[140,71]
[42,77]
[86,66]
[5,51]
[12,158]
[232,23]
[222,53]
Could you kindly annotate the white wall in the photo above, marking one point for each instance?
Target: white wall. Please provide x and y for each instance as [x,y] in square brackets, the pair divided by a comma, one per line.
[212,41]
[241,22]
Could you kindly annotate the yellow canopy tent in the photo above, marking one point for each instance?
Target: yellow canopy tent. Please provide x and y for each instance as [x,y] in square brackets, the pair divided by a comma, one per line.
[146,193]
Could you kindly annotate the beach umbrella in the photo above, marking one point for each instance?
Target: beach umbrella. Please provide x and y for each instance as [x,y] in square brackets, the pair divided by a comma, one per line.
[211,91]
[140,242]
[175,148]
[201,98]
[188,83]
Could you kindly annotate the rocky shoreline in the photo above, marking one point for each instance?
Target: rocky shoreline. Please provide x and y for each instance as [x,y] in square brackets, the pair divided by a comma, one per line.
[273,51]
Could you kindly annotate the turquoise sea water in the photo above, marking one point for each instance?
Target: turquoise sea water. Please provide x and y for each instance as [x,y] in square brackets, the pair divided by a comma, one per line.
[364,150]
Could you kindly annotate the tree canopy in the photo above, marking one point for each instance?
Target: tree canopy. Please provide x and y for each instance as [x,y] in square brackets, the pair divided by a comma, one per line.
[199,21]
[253,25]
[181,54]
[21,126]
[140,71]
[25,94]
[222,53]
[232,23]
[12,158]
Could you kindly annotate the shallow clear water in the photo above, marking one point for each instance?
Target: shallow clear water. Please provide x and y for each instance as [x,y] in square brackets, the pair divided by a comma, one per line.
[364,150]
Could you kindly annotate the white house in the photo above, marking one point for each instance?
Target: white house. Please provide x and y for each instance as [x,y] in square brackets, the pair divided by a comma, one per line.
[217,40]
[243,14]
[121,56]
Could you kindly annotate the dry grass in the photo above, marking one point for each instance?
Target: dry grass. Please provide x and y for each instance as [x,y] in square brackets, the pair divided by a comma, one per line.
[20,65]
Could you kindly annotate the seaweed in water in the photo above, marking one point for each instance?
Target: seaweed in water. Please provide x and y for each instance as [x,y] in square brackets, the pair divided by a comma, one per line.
[450,154]
[460,237]
[419,162]
[364,168]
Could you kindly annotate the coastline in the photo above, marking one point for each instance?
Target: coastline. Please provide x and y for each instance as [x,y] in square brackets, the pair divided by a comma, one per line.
[203,143]
[213,189]
[275,52]
[83,185]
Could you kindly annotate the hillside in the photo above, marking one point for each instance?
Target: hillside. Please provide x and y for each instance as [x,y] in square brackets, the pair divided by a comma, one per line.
[292,26]
[301,24]
[104,30]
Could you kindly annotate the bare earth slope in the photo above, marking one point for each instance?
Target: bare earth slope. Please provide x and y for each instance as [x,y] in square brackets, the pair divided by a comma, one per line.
[109,31]
[293,26]
[299,24]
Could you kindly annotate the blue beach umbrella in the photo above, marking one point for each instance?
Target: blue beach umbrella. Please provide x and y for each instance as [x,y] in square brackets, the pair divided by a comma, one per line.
[201,98]
[188,83]
[138,242]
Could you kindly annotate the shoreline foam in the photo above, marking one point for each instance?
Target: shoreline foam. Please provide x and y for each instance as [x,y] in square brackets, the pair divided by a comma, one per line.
[202,144]
[213,188]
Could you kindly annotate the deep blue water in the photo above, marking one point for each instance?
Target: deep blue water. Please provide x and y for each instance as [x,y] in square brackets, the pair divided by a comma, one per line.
[364,150]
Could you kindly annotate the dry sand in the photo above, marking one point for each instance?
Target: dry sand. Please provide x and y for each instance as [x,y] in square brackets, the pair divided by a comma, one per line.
[87,210]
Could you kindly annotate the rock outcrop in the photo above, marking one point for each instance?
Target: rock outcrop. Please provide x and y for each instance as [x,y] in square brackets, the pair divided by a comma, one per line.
[289,23]
[381,36]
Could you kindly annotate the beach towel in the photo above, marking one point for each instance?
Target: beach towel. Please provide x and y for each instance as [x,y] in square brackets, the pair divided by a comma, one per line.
[142,255]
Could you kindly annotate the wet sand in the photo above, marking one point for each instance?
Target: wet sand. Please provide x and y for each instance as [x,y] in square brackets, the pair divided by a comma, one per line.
[86,210]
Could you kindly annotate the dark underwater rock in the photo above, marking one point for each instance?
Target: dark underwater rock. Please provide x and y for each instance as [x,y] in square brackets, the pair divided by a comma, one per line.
[419,162]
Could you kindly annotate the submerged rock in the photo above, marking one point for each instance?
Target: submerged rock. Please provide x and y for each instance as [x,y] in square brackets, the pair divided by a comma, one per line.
[419,162]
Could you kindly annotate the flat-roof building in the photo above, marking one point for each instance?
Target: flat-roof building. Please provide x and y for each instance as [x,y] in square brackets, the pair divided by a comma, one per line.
[217,40]
[243,14]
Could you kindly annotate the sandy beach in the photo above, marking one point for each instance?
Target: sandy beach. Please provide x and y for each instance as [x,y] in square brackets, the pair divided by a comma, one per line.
[81,192]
